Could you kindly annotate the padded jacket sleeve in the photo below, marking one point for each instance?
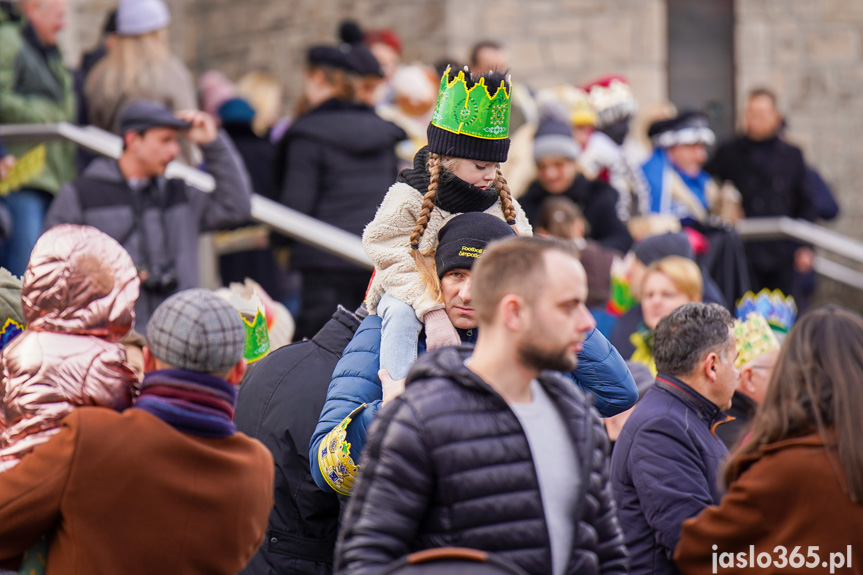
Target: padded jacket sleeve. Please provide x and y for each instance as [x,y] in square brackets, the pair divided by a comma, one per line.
[355,382]
[602,372]
[391,496]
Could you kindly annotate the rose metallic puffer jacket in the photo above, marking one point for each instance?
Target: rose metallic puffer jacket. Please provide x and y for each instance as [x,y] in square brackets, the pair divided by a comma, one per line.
[78,300]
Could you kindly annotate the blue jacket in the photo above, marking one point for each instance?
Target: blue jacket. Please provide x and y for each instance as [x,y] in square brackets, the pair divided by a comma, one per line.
[601,371]
[664,469]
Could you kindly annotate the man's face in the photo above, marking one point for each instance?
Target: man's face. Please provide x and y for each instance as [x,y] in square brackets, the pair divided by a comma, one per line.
[556,175]
[48,17]
[689,158]
[727,375]
[154,150]
[558,319]
[367,91]
[755,376]
[455,288]
[491,59]
[762,118]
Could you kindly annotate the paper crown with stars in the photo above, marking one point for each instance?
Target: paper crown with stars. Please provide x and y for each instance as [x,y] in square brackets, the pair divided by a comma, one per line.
[779,310]
[471,117]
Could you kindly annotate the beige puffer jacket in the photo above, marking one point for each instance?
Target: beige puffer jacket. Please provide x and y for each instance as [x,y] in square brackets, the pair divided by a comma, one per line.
[78,300]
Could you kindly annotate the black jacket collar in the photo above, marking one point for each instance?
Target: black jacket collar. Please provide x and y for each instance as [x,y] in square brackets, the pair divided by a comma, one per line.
[339,329]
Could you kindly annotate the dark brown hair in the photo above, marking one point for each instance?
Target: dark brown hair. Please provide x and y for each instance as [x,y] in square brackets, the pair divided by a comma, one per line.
[815,388]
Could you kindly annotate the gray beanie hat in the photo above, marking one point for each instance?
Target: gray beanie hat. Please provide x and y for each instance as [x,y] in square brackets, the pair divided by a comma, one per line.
[196,330]
[137,17]
[554,139]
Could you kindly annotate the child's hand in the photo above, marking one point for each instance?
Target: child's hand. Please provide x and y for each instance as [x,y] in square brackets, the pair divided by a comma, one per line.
[392,388]
[439,330]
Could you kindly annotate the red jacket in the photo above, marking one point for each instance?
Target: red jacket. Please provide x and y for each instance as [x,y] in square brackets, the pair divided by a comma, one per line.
[128,493]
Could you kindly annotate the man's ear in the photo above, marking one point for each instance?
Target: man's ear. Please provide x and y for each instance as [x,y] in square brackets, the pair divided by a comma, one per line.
[710,365]
[512,310]
[235,375]
[149,360]
[745,383]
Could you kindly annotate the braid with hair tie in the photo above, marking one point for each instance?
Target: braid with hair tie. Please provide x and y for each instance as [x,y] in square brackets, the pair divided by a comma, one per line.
[429,200]
[506,204]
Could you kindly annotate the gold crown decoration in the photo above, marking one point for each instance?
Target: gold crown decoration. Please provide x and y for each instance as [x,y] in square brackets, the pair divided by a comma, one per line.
[334,457]
[754,338]
[472,111]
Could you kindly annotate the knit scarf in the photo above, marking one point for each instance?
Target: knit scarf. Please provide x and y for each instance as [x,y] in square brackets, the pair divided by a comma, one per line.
[453,194]
[191,402]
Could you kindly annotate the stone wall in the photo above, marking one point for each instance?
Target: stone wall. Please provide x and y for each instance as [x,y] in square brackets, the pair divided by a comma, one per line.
[809,51]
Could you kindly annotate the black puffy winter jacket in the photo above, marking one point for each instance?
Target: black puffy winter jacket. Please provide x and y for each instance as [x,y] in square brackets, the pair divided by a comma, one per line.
[448,464]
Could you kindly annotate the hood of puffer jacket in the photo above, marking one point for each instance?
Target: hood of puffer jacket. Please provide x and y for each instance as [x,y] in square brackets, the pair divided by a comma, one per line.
[80,281]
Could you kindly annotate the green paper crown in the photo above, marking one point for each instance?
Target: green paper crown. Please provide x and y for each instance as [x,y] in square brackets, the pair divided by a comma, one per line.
[257,338]
[471,111]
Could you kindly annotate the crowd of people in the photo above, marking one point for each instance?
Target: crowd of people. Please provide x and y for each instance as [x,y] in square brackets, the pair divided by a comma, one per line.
[566,359]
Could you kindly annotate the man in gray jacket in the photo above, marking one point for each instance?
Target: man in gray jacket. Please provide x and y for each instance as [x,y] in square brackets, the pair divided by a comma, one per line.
[158,220]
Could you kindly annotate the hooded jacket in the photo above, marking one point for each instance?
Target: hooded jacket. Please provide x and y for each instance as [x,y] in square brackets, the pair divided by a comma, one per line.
[600,371]
[78,299]
[337,161]
[449,464]
[159,225]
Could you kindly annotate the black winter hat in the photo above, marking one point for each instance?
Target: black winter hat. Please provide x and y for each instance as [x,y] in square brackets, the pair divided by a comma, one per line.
[657,247]
[462,240]
[335,57]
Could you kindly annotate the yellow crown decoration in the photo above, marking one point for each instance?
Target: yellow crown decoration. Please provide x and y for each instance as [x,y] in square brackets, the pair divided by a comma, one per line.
[754,338]
[334,457]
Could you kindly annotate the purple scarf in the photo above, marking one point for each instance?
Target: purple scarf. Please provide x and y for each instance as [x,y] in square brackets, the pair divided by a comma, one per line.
[191,402]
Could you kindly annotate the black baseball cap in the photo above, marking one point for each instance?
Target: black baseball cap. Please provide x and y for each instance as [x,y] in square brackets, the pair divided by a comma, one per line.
[142,115]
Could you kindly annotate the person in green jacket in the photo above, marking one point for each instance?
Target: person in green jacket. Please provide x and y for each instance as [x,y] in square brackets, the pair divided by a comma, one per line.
[35,88]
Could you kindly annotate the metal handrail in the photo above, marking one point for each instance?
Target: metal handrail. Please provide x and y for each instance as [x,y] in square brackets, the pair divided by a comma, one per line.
[282,219]
[815,235]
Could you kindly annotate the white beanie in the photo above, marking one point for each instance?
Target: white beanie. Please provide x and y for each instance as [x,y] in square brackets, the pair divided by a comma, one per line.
[136,17]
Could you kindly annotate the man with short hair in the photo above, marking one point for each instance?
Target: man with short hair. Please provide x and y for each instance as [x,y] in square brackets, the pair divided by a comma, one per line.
[665,463]
[771,177]
[167,486]
[158,220]
[35,88]
[487,448]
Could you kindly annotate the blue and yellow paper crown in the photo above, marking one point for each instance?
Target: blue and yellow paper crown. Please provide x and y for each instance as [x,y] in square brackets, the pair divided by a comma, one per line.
[10,329]
[779,310]
[472,111]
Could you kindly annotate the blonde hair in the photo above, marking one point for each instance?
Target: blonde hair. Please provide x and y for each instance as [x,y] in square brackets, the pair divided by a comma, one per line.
[135,64]
[264,93]
[425,260]
[683,273]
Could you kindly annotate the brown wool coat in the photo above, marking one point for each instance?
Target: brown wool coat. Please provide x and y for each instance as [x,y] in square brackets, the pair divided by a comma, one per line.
[789,495]
[130,494]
